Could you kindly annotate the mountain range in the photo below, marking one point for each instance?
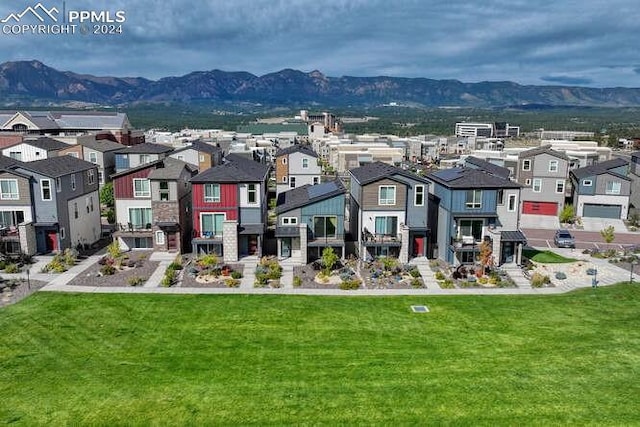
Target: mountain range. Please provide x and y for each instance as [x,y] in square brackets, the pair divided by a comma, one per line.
[33,82]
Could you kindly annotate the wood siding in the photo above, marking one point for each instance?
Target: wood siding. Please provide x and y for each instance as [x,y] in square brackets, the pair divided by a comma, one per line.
[123,185]
[370,195]
[24,191]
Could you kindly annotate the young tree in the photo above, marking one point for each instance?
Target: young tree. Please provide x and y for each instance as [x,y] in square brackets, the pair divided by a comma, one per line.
[329,259]
[566,214]
[608,234]
[485,255]
[106,195]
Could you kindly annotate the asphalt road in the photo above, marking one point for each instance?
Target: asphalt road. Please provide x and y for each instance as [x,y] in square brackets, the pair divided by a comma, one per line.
[584,239]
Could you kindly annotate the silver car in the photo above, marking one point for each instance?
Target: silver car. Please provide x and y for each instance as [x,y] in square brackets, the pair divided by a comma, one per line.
[564,239]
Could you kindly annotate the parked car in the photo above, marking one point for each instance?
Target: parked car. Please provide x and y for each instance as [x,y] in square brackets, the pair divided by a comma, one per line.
[564,239]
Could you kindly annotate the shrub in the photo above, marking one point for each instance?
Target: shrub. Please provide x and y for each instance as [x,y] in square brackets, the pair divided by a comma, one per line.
[388,263]
[539,280]
[208,260]
[69,257]
[329,259]
[415,273]
[483,280]
[456,275]
[114,249]
[608,234]
[169,277]
[3,264]
[56,265]
[261,280]
[416,283]
[12,268]
[297,281]
[232,283]
[175,266]
[107,270]
[136,280]
[349,285]
[439,275]
[236,275]
[447,284]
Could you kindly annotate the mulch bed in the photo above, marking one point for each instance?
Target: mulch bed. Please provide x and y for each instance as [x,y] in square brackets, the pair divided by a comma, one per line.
[18,289]
[190,282]
[307,273]
[89,277]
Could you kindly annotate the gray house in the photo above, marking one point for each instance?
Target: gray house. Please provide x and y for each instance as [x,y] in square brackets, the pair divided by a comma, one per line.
[602,190]
[634,174]
[102,153]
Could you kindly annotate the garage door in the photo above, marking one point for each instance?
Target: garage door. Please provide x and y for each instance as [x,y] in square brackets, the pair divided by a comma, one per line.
[540,208]
[601,211]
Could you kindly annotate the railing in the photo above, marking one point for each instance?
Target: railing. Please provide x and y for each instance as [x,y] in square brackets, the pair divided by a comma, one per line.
[129,227]
[465,242]
[374,238]
[9,232]
[326,239]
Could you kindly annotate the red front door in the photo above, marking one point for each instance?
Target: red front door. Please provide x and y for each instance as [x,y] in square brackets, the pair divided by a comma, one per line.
[52,241]
[418,246]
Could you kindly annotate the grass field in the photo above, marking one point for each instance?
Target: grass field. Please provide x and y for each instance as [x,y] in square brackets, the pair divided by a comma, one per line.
[546,257]
[176,360]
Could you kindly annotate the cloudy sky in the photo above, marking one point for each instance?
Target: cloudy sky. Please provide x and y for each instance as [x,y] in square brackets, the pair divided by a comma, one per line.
[577,42]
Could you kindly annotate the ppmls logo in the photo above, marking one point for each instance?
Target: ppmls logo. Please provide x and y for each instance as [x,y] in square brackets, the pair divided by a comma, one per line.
[39,19]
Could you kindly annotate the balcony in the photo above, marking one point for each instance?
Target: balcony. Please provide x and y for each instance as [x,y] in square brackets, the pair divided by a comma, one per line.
[9,233]
[336,239]
[375,239]
[467,243]
[133,230]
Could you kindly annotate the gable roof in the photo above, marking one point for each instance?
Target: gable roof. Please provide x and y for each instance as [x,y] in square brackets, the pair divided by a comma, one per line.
[57,166]
[170,169]
[377,170]
[601,168]
[488,167]
[143,166]
[145,148]
[6,162]
[86,120]
[462,178]
[102,145]
[46,143]
[201,147]
[235,169]
[308,194]
[297,148]
[545,149]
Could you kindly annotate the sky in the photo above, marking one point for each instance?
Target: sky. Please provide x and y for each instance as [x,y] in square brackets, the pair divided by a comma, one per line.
[562,42]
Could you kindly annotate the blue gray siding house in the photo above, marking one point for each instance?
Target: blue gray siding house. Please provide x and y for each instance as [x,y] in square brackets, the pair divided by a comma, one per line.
[602,190]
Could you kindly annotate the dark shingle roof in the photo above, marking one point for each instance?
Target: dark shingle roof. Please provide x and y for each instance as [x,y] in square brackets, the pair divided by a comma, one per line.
[235,169]
[302,148]
[600,168]
[488,166]
[145,148]
[378,170]
[513,236]
[103,145]
[46,143]
[57,166]
[6,162]
[470,178]
[308,194]
[201,147]
[541,150]
[169,169]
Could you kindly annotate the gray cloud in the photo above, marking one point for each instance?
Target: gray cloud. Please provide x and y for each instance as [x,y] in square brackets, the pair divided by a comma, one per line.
[526,42]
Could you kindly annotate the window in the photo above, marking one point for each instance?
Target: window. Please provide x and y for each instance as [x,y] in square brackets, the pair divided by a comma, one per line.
[386,225]
[471,227]
[284,179]
[212,193]
[93,157]
[91,178]
[501,197]
[537,185]
[75,210]
[511,203]
[45,189]
[62,233]
[387,195]
[587,183]
[553,166]
[11,218]
[72,154]
[284,160]
[289,220]
[211,224]
[316,180]
[9,189]
[164,190]
[473,199]
[159,237]
[73,182]
[252,193]
[418,197]
[201,158]
[144,158]
[526,165]
[140,217]
[527,181]
[305,163]
[141,187]
[325,226]
[17,155]
[292,182]
[100,177]
[613,187]
[560,186]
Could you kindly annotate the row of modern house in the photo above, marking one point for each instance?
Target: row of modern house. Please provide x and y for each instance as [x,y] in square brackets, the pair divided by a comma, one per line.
[194,200]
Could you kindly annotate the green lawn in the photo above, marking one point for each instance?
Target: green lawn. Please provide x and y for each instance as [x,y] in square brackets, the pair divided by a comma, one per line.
[546,257]
[192,360]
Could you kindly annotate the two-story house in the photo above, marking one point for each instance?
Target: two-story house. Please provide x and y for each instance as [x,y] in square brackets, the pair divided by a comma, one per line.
[602,190]
[101,152]
[153,206]
[34,149]
[389,212]
[16,209]
[634,174]
[471,206]
[65,201]
[139,154]
[200,154]
[230,208]
[310,218]
[296,166]
[543,172]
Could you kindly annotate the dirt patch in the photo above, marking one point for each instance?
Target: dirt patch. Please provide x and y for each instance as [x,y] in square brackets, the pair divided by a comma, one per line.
[15,290]
[143,268]
[191,280]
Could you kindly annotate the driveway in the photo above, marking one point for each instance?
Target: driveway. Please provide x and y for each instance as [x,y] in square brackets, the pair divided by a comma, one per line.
[549,222]
[597,224]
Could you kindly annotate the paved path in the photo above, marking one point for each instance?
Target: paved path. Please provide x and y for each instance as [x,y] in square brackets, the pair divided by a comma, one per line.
[607,275]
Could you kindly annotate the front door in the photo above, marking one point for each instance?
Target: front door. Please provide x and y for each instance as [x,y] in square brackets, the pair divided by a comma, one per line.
[172,242]
[52,240]
[285,247]
[418,246]
[507,252]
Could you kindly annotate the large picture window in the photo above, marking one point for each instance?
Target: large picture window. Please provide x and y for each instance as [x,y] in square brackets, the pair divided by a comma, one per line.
[325,226]
[211,224]
[386,225]
[140,217]
[212,193]
[613,187]
[471,227]
[11,218]
[252,193]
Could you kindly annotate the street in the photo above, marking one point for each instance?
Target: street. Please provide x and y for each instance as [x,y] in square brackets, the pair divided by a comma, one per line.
[584,239]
